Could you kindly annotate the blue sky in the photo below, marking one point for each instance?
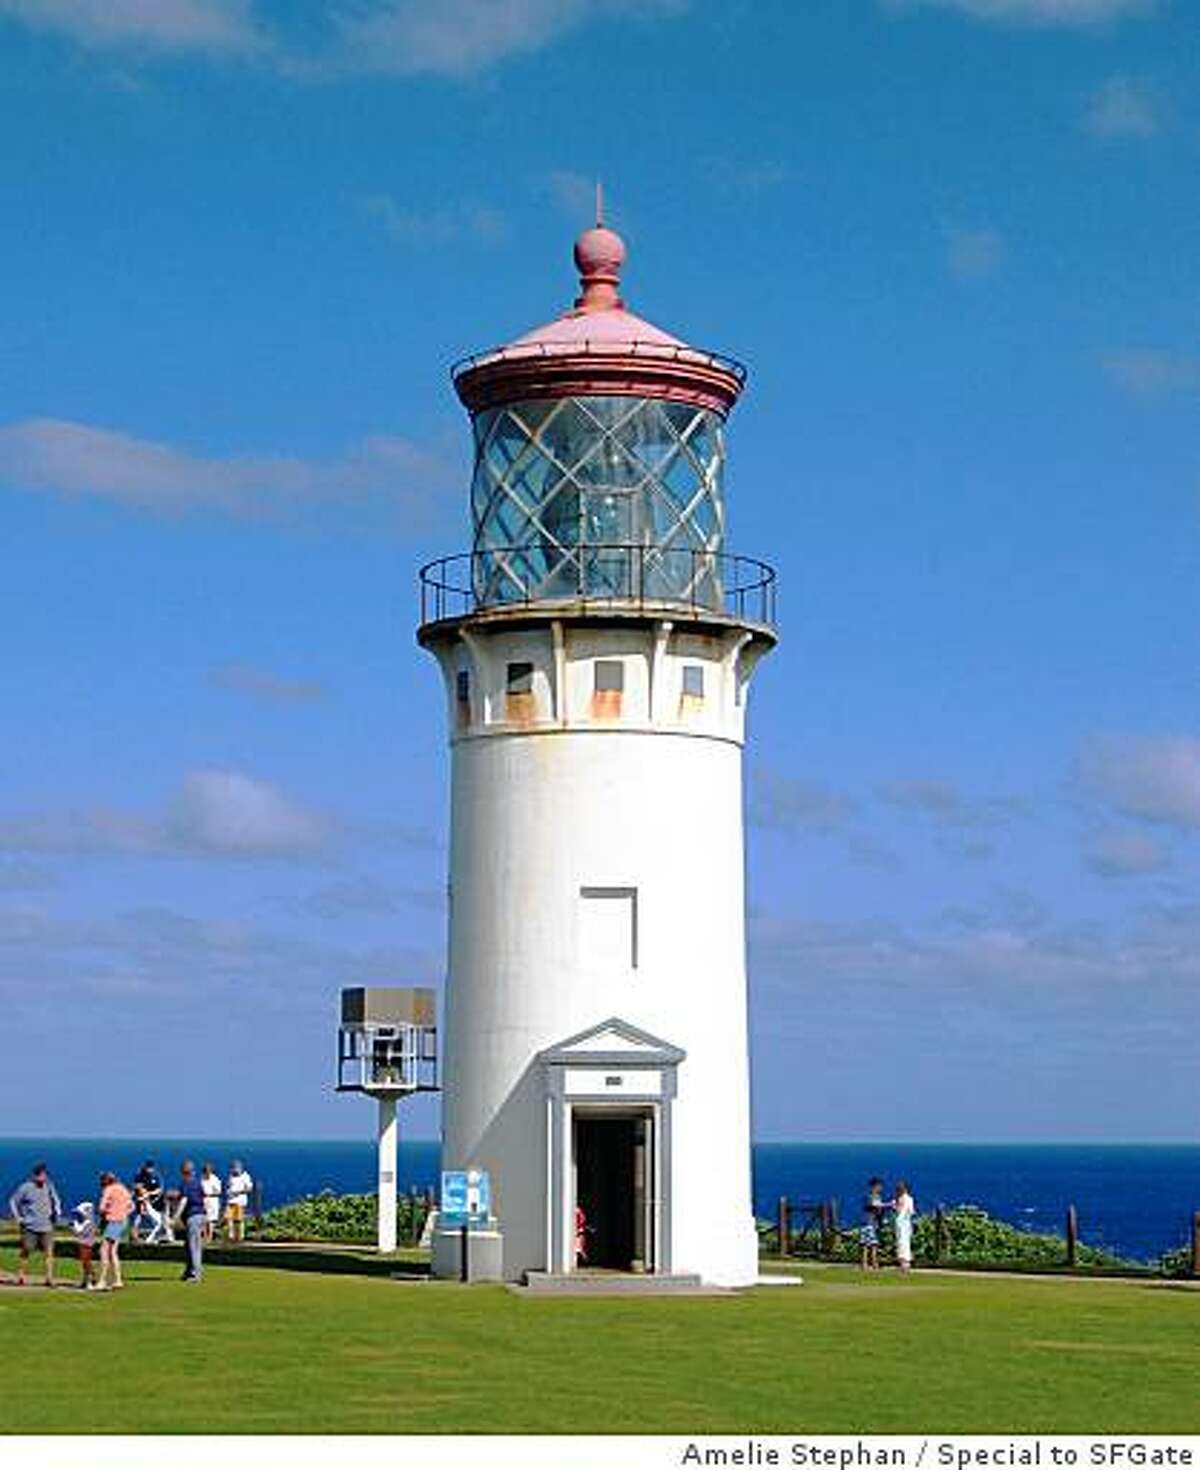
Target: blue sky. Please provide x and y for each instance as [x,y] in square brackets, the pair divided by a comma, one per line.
[956,243]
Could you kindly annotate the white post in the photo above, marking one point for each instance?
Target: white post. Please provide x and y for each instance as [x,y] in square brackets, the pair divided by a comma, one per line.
[387,1173]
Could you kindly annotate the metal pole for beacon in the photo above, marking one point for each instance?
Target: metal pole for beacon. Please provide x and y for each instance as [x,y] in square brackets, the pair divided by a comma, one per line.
[387,1136]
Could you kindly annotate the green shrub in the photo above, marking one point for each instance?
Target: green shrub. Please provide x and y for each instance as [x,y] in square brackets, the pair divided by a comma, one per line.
[343,1217]
[1176,1262]
[970,1237]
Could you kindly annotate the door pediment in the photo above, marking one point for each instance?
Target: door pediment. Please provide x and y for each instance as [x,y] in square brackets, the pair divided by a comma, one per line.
[614,1042]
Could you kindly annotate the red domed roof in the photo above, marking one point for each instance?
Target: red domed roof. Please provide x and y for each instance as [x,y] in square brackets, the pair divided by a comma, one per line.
[598,347]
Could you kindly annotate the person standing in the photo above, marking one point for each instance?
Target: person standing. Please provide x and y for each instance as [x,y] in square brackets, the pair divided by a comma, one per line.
[36,1208]
[210,1183]
[192,1215]
[83,1227]
[116,1205]
[147,1201]
[873,1211]
[238,1188]
[581,1228]
[905,1208]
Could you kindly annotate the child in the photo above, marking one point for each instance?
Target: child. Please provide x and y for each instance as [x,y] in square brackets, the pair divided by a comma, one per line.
[83,1227]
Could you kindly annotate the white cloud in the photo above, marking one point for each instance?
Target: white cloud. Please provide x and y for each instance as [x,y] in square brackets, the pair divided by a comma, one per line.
[229,814]
[388,478]
[1037,12]
[574,193]
[985,954]
[17,875]
[1156,778]
[355,897]
[944,803]
[160,25]
[80,832]
[462,37]
[867,853]
[435,224]
[972,254]
[1145,371]
[264,685]
[786,803]
[448,38]
[936,798]
[1122,109]
[960,848]
[741,178]
[162,958]
[1125,853]
[214,814]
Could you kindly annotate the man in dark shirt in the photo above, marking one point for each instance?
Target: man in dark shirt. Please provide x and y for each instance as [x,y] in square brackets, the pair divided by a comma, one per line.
[874,1207]
[191,1213]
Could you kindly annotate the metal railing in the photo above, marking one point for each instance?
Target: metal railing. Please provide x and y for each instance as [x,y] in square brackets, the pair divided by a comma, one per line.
[618,575]
[387,1059]
[674,352]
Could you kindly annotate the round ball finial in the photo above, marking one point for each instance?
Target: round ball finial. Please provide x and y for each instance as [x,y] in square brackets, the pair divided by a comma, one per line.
[599,256]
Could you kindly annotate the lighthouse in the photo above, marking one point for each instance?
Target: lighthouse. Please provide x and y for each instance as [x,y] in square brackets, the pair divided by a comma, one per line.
[596,645]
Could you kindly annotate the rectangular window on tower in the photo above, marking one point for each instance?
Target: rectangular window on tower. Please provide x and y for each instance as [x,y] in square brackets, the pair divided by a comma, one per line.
[518,692]
[462,698]
[520,679]
[608,929]
[691,696]
[607,688]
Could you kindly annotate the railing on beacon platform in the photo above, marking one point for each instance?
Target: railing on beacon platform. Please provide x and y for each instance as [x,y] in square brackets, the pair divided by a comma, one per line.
[619,575]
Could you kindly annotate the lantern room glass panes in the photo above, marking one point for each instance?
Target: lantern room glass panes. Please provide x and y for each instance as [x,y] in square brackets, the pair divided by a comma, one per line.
[599,497]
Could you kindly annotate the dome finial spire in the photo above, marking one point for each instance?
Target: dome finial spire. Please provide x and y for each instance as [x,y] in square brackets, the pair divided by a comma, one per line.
[599,256]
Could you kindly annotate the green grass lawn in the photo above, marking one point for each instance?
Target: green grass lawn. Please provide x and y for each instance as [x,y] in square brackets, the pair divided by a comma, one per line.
[280,1351]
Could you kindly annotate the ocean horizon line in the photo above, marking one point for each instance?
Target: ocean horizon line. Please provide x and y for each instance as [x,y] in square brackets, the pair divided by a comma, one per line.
[366,1137]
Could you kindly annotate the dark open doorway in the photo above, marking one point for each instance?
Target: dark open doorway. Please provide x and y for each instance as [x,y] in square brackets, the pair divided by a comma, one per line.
[611,1163]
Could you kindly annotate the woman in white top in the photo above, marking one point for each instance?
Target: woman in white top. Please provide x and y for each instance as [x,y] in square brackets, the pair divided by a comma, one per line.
[210,1185]
[905,1208]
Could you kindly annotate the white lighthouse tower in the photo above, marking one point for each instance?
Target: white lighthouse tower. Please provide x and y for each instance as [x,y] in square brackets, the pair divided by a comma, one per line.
[597,645]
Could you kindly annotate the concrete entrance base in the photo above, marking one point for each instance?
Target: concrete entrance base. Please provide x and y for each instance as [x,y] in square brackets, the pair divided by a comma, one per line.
[614,1283]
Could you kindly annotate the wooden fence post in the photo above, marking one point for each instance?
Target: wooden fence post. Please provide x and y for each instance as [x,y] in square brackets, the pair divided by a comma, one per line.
[783,1225]
[939,1234]
[258,1198]
[1072,1236]
[826,1228]
[1196,1244]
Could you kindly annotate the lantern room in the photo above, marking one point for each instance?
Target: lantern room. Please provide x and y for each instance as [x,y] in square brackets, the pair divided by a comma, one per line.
[599,451]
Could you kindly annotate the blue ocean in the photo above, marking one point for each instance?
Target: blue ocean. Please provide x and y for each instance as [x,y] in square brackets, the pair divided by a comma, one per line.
[1137,1199]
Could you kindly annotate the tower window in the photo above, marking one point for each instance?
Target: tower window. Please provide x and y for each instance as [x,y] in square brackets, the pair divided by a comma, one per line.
[693,681]
[520,679]
[609,928]
[462,687]
[610,676]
